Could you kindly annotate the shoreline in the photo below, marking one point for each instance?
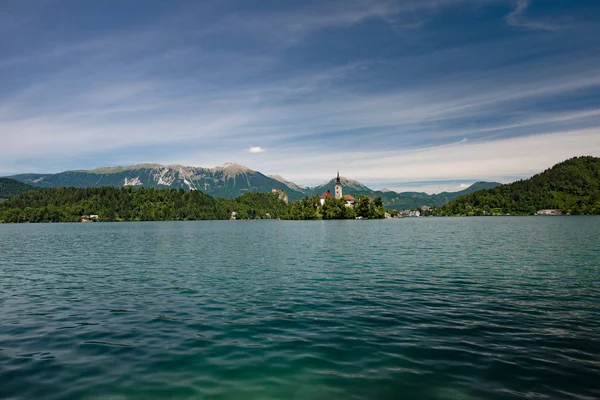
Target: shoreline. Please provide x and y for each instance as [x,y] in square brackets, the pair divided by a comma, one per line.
[296,220]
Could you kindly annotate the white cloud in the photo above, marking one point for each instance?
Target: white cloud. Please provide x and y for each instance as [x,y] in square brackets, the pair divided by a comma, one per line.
[255,149]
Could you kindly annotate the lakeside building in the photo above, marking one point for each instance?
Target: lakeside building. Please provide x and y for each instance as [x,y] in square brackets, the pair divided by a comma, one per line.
[410,213]
[349,200]
[324,196]
[549,212]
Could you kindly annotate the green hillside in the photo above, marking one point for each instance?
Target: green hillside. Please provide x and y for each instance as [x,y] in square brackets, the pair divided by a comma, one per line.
[10,188]
[572,186]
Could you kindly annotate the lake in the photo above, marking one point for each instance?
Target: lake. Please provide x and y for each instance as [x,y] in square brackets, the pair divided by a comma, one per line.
[425,308]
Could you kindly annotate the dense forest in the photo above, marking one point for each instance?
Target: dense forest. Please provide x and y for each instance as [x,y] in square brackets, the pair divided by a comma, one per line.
[149,204]
[572,186]
[11,188]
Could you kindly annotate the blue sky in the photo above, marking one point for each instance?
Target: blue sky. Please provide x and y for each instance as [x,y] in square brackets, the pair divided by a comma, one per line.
[407,94]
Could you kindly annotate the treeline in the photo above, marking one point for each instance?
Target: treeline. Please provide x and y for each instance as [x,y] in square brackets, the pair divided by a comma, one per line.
[572,186]
[129,204]
[149,204]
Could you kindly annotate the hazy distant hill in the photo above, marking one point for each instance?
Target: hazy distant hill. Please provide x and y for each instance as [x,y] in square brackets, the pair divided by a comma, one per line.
[11,187]
[229,181]
[444,197]
[403,200]
[572,186]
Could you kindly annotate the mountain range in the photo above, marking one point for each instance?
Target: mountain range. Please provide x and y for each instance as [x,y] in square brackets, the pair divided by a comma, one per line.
[229,180]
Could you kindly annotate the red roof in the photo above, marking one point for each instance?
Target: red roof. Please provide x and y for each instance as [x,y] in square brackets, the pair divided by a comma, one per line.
[347,197]
[327,195]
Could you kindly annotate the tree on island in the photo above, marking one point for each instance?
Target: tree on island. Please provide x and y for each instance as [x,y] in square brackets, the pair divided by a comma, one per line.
[337,209]
[376,210]
[363,206]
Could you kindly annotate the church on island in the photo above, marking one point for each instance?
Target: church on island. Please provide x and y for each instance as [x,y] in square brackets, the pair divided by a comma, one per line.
[338,194]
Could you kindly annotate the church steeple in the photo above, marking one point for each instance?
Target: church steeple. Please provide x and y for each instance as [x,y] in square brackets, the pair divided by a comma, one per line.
[338,186]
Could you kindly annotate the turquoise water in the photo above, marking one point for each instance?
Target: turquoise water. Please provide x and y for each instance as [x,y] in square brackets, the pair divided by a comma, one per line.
[430,308]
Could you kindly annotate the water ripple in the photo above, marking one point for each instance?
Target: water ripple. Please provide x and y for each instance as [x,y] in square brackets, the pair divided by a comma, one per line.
[468,308]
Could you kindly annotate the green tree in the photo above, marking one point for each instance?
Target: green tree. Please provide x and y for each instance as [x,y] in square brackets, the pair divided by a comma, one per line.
[376,210]
[363,206]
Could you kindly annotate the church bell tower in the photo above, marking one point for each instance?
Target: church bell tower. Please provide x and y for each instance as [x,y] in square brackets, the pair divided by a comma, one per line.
[338,187]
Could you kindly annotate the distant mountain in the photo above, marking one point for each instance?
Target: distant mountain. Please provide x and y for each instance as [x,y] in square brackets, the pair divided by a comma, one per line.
[478,186]
[348,185]
[572,186]
[444,197]
[399,201]
[289,184]
[11,187]
[412,200]
[229,181]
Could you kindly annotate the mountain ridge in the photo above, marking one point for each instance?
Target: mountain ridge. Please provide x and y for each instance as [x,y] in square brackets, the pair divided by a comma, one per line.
[228,180]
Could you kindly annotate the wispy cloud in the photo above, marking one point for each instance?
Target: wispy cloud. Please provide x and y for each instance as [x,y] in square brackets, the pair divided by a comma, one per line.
[518,18]
[288,27]
[328,81]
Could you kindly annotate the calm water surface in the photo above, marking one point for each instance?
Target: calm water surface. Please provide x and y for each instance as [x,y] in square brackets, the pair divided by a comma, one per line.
[456,308]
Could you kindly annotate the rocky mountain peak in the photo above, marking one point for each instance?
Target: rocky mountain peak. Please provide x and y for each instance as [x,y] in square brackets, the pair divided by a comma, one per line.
[288,183]
[233,168]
